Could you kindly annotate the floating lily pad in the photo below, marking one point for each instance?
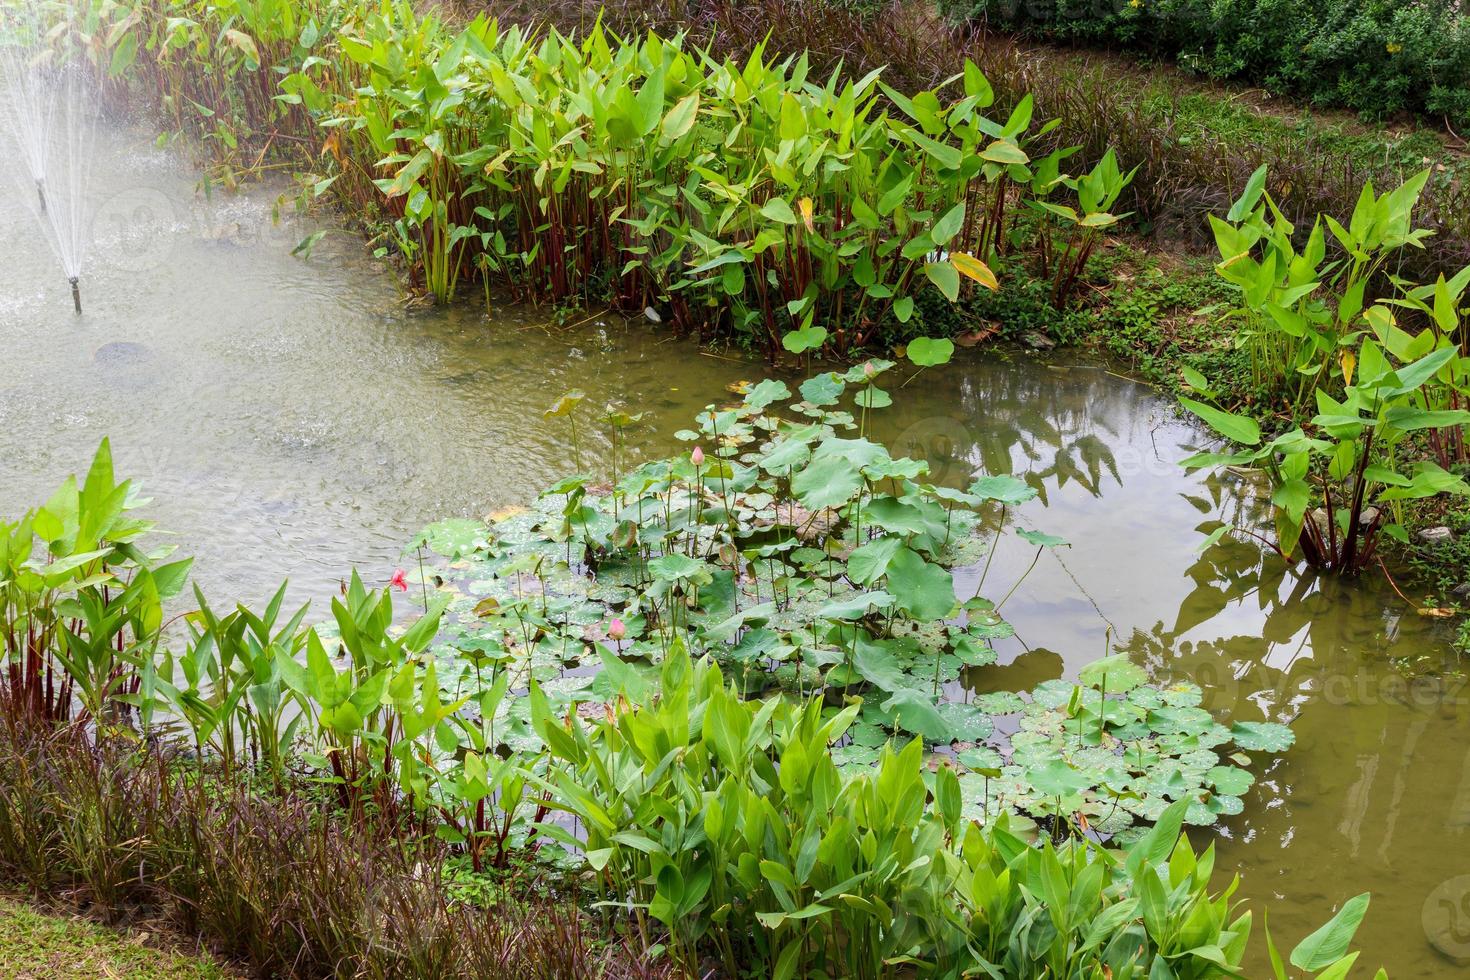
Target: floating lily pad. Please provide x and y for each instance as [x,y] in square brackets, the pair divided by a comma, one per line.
[1229,780]
[980,757]
[1262,736]
[1115,675]
[967,722]
[453,537]
[1000,703]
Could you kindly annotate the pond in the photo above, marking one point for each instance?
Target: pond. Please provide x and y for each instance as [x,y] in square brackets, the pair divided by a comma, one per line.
[294,418]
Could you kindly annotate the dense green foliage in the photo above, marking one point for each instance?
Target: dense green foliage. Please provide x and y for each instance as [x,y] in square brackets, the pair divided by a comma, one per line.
[1195,145]
[747,199]
[1377,58]
[1386,377]
[410,742]
[803,558]
[730,821]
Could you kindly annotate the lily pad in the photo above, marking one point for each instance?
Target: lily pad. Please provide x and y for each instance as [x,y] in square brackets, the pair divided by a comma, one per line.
[1115,675]
[1262,736]
[823,389]
[967,722]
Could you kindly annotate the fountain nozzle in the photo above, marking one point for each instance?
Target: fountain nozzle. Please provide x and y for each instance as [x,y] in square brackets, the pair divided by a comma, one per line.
[76,294]
[41,193]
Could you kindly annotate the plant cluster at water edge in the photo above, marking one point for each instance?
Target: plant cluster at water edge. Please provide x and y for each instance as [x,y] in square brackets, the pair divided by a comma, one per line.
[1382,380]
[746,199]
[719,690]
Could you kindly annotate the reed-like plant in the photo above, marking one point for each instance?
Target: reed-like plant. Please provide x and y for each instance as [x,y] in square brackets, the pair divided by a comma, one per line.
[747,199]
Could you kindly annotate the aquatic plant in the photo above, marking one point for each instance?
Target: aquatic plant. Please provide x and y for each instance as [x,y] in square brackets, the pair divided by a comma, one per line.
[730,823]
[1377,383]
[1097,192]
[861,800]
[1300,306]
[801,557]
[743,199]
[1337,483]
[81,605]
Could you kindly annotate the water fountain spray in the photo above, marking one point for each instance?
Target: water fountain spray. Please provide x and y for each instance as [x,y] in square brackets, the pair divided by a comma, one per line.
[66,210]
[30,109]
[52,113]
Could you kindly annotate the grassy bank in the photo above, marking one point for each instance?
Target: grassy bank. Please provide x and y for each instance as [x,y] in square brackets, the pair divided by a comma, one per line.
[52,945]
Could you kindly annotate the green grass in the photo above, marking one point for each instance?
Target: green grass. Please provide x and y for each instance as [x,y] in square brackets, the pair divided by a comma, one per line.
[1220,113]
[1151,309]
[37,945]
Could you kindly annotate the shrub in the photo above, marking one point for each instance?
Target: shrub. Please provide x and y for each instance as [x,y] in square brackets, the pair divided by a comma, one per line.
[1376,58]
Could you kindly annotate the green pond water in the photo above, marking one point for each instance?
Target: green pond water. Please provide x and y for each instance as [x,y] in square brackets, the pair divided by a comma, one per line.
[291,418]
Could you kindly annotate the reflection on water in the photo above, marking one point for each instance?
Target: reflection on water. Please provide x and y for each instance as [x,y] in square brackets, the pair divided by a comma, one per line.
[290,417]
[1375,795]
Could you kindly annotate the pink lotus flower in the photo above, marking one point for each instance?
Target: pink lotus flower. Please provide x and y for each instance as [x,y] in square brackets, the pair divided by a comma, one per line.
[616,630]
[399,581]
[697,456]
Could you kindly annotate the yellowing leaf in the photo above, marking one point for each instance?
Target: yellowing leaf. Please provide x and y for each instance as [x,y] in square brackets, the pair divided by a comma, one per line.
[680,119]
[565,405]
[1349,361]
[245,43]
[968,265]
[805,204]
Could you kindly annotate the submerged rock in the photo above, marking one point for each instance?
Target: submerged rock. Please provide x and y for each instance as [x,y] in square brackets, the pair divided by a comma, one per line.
[228,233]
[122,352]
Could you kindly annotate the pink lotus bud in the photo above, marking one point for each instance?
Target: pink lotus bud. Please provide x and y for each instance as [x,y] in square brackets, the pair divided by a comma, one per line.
[399,581]
[868,371]
[697,456]
[616,630]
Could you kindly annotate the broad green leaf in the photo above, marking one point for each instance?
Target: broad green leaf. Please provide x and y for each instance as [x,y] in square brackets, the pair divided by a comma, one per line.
[1330,943]
[1236,428]
[930,351]
[922,588]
